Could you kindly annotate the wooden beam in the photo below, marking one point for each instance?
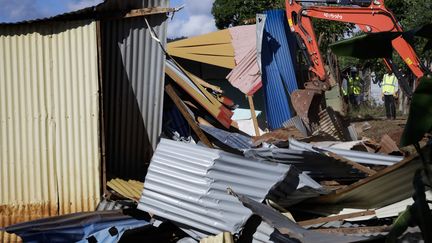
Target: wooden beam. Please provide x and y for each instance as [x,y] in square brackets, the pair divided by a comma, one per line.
[355,165]
[253,114]
[102,138]
[147,11]
[183,109]
[356,230]
[336,218]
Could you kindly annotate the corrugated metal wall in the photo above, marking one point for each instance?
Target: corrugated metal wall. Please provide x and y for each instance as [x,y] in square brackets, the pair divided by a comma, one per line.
[133,78]
[49,113]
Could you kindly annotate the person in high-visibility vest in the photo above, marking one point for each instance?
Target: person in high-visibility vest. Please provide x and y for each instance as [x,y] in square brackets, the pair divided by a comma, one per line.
[389,93]
[354,88]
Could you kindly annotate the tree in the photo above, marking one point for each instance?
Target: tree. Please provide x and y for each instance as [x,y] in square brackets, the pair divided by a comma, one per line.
[229,13]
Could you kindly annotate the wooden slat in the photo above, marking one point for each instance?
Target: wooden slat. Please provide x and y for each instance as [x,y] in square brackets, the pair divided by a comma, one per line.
[183,109]
[336,218]
[253,114]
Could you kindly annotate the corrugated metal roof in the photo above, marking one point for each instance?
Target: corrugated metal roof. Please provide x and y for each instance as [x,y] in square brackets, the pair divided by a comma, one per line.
[187,184]
[356,156]
[214,48]
[278,70]
[317,166]
[387,186]
[129,189]
[246,75]
[287,228]
[233,140]
[49,120]
[111,8]
[133,78]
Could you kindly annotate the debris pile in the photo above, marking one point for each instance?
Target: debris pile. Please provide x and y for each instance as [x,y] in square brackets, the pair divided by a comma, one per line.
[217,175]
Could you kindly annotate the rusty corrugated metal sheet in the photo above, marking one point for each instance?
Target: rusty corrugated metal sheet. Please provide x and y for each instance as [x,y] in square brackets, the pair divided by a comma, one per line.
[49,120]
[133,78]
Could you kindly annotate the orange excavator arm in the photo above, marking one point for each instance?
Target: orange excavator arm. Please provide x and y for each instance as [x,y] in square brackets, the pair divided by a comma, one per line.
[370,16]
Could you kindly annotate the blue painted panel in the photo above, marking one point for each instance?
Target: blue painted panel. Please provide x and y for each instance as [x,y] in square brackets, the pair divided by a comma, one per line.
[278,68]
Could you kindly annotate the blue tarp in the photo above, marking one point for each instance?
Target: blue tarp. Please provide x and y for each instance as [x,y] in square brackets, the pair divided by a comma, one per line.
[101,226]
[278,68]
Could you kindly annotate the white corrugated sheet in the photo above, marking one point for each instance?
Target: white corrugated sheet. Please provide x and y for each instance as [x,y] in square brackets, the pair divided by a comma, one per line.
[49,120]
[187,184]
[356,156]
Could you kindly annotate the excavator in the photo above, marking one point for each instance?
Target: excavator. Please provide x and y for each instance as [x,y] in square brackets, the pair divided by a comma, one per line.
[370,16]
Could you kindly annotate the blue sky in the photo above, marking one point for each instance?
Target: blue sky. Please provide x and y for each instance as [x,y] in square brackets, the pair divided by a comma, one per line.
[194,19]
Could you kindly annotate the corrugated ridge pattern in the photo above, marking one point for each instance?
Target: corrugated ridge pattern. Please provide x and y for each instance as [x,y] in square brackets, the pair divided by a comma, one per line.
[49,111]
[356,156]
[187,184]
[133,78]
[278,70]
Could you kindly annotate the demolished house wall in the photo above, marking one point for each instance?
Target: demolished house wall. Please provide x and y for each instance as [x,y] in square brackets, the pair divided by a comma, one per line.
[49,120]
[133,78]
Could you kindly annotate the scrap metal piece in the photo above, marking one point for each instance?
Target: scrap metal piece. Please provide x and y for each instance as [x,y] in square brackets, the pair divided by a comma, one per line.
[331,124]
[233,140]
[129,189]
[289,229]
[298,123]
[356,156]
[386,187]
[186,183]
[388,145]
[103,226]
[317,166]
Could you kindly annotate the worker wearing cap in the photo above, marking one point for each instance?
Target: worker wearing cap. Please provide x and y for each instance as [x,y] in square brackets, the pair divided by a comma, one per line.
[354,88]
[389,93]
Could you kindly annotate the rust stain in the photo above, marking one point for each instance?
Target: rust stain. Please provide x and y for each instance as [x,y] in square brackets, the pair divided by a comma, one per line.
[13,214]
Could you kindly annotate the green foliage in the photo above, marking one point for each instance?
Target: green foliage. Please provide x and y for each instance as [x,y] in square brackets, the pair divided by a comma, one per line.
[230,13]
[330,31]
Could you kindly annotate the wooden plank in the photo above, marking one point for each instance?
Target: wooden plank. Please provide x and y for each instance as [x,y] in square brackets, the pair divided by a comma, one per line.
[336,218]
[356,165]
[356,230]
[183,109]
[219,112]
[147,11]
[253,114]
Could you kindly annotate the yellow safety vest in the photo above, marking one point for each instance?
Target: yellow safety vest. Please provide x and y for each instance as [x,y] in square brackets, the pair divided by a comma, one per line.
[389,84]
[354,85]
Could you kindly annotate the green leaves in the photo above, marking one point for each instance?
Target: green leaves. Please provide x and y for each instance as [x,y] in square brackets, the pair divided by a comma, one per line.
[420,115]
[230,13]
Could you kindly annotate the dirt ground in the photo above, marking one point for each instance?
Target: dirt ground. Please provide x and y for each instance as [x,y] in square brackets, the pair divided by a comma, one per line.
[381,126]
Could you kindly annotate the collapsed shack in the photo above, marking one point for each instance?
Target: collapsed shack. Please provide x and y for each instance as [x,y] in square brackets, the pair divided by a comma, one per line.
[154,157]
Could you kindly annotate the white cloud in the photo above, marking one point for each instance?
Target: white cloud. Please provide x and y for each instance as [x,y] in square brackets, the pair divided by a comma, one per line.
[194,25]
[195,7]
[80,4]
[198,20]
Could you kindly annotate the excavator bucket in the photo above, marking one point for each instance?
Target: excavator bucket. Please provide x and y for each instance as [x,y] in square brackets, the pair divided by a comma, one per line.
[306,103]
